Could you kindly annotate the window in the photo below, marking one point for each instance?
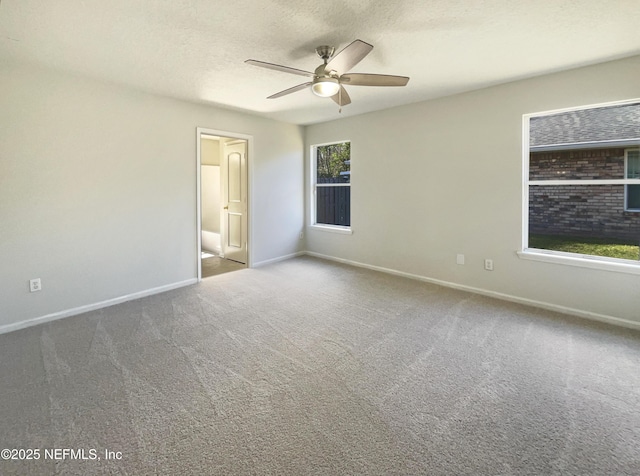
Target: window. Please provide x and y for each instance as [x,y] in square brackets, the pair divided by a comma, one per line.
[331,165]
[582,182]
[632,192]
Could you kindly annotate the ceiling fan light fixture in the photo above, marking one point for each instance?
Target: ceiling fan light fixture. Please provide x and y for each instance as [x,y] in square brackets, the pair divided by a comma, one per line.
[325,87]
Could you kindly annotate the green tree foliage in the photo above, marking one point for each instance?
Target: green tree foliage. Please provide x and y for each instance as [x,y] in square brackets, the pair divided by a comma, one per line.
[332,159]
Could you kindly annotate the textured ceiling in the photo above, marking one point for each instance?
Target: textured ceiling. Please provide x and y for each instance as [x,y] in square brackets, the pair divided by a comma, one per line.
[195,49]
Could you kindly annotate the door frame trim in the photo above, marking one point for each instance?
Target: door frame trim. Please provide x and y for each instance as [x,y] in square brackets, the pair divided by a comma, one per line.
[200,131]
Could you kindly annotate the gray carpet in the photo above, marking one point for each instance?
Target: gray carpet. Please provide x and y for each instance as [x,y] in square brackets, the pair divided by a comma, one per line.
[310,367]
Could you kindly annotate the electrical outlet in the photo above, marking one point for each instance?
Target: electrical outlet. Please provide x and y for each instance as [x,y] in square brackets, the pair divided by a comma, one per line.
[488,264]
[35,285]
[460,259]
[301,235]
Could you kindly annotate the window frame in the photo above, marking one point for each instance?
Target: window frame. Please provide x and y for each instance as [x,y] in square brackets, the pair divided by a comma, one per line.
[343,229]
[562,257]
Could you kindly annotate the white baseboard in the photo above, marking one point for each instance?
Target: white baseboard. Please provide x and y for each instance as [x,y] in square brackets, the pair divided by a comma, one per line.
[505,297]
[279,258]
[92,307]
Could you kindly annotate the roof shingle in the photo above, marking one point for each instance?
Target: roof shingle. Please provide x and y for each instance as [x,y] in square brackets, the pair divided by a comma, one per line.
[586,125]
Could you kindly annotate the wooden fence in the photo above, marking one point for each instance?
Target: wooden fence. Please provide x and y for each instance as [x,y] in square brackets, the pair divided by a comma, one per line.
[333,205]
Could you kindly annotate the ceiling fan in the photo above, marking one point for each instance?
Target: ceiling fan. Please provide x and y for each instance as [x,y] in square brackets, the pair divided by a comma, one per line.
[330,77]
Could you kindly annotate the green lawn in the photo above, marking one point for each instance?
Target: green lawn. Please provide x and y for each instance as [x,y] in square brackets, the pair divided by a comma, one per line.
[585,246]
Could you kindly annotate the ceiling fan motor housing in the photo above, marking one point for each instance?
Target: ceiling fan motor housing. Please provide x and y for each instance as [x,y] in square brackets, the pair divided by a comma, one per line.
[321,72]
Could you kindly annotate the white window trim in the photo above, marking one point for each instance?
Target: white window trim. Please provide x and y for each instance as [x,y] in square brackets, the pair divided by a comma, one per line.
[345,230]
[633,181]
[582,261]
[560,257]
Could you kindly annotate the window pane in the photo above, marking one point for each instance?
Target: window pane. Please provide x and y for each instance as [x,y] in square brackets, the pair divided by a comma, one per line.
[579,214]
[633,197]
[333,163]
[585,145]
[333,205]
[633,164]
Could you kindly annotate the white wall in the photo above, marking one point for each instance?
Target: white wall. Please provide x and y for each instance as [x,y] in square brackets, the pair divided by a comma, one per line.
[90,171]
[210,180]
[210,151]
[210,184]
[442,177]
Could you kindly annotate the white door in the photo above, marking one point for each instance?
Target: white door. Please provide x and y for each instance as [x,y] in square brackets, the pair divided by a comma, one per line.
[234,200]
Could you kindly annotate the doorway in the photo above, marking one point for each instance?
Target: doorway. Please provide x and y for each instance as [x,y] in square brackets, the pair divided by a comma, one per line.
[222,202]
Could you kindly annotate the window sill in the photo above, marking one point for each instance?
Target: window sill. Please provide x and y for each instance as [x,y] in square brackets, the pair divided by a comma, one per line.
[582,261]
[344,230]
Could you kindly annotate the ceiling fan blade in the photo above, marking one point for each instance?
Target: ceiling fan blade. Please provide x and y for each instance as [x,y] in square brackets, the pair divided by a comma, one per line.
[277,67]
[350,56]
[363,79]
[290,90]
[341,98]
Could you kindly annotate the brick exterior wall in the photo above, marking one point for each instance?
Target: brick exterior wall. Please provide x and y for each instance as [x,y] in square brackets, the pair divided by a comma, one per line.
[587,210]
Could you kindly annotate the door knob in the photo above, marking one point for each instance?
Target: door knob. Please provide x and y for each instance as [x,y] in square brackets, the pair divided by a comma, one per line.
[226,208]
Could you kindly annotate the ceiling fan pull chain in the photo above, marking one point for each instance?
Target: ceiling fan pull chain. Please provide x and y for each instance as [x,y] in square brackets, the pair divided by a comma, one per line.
[340,100]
